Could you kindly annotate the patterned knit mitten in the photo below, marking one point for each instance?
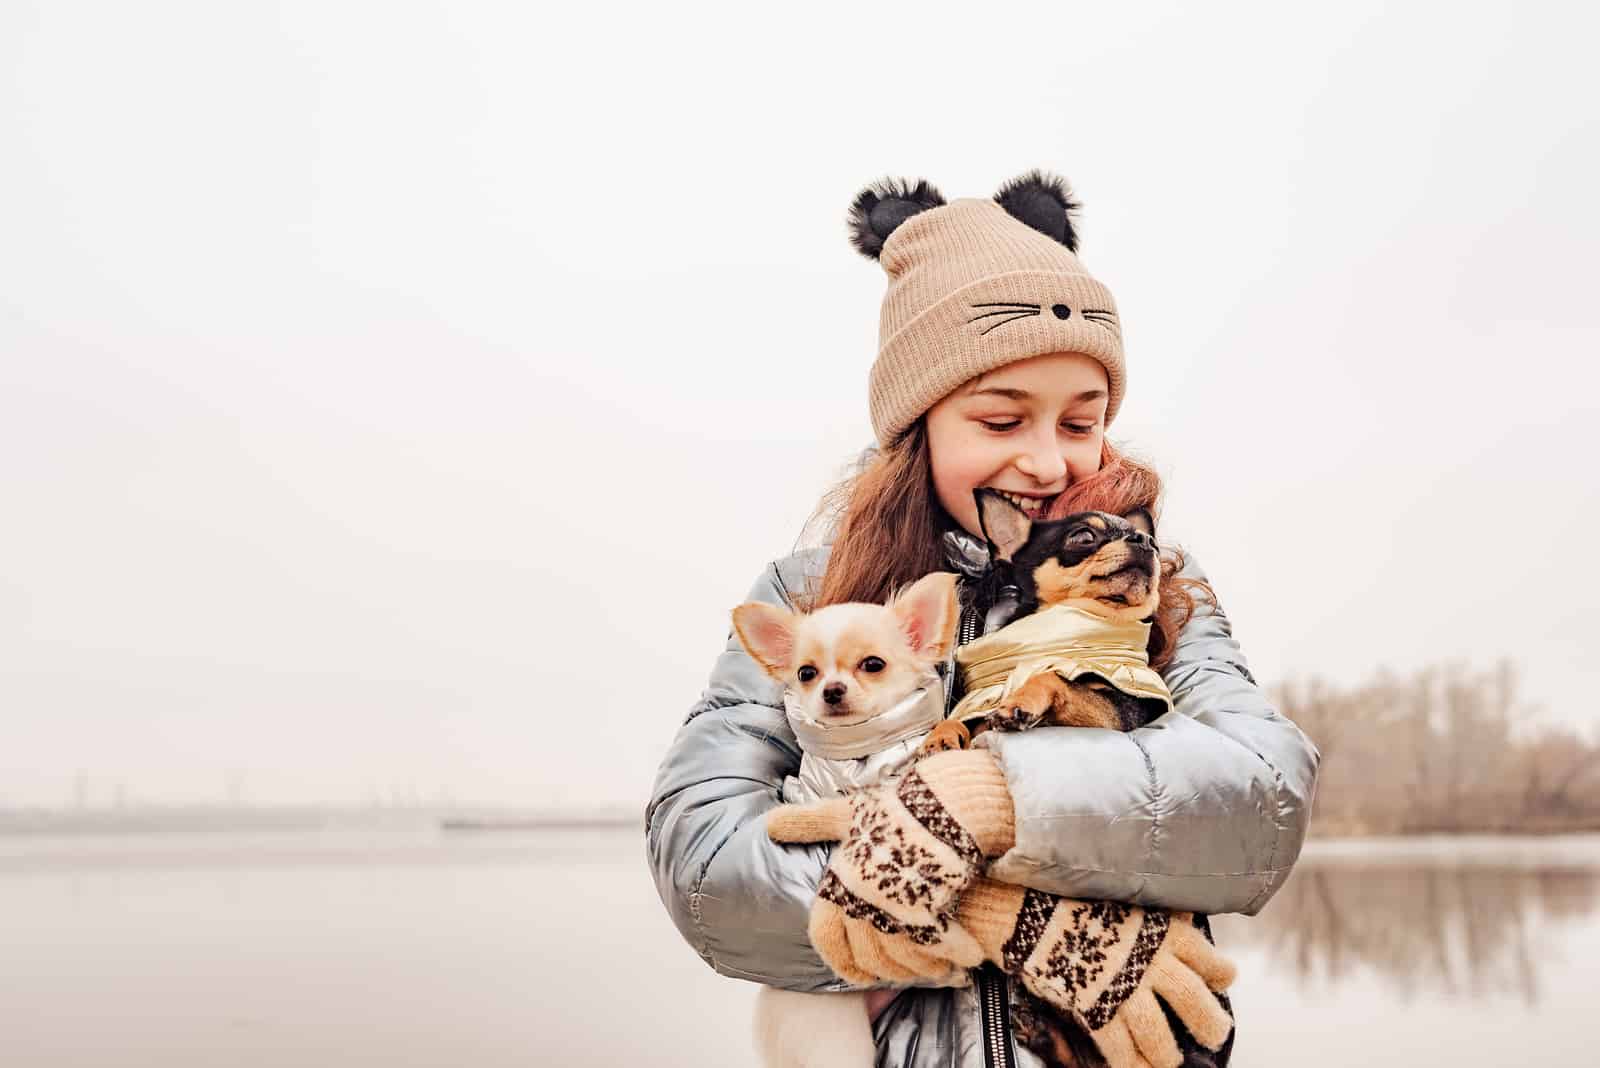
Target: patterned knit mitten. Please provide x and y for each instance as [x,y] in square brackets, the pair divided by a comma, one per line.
[906,850]
[1103,964]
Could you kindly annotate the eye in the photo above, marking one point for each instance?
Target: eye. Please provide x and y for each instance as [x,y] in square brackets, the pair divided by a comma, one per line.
[872,664]
[1001,427]
[1081,536]
[1074,428]
[806,673]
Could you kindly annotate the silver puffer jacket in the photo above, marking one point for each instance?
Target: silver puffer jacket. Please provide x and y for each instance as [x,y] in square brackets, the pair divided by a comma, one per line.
[1203,810]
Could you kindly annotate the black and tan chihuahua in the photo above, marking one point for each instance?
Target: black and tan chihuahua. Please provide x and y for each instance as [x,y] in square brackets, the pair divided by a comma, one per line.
[1102,563]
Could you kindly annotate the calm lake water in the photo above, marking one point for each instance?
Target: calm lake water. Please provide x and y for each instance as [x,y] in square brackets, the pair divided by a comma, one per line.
[532,948]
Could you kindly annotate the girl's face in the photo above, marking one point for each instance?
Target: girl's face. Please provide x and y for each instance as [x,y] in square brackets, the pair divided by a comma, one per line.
[1030,429]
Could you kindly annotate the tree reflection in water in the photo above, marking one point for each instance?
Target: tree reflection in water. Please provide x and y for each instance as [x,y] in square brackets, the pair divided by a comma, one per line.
[1465,930]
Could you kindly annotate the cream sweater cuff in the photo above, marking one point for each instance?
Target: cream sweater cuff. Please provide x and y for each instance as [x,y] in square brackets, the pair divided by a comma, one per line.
[972,788]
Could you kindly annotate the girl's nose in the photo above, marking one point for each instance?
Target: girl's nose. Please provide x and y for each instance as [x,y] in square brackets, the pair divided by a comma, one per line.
[1041,461]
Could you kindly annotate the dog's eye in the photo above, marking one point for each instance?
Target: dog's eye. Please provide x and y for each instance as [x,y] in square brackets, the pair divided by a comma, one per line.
[873,664]
[1081,536]
[807,673]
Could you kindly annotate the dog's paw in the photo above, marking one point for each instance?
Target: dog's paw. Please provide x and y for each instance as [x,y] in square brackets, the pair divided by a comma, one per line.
[1027,707]
[1016,717]
[947,734]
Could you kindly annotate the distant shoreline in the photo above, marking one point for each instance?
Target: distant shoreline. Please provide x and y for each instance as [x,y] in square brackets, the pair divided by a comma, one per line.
[223,818]
[473,819]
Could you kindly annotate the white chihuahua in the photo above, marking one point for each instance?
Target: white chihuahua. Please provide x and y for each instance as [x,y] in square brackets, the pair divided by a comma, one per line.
[863,694]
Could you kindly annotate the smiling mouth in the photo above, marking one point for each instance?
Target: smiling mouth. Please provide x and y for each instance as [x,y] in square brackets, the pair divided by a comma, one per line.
[1033,506]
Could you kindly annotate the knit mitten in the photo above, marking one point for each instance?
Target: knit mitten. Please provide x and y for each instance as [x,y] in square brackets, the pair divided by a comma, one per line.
[1103,964]
[858,952]
[907,849]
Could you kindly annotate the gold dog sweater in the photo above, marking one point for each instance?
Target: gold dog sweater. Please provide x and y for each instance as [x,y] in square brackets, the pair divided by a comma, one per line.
[1063,638]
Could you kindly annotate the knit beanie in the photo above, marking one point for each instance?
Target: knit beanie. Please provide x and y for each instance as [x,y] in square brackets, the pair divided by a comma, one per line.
[975,285]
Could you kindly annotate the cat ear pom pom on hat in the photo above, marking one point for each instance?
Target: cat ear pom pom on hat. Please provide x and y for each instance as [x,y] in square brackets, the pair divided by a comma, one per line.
[974,285]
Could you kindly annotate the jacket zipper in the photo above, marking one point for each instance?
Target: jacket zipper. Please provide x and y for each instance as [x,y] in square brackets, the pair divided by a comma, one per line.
[994,1009]
[994,1016]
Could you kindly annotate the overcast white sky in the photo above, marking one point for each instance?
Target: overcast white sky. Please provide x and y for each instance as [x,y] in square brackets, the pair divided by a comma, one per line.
[398,396]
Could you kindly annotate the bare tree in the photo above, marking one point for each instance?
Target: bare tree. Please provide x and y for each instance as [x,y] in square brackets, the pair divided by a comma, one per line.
[1445,749]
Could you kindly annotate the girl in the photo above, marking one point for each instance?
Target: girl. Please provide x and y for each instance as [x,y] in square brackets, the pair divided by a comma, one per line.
[1000,364]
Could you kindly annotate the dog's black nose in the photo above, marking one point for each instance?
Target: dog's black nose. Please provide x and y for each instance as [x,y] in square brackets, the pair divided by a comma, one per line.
[1140,538]
[833,693]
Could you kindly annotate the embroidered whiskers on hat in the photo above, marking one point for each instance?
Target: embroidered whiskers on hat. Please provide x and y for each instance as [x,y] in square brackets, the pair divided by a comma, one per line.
[975,285]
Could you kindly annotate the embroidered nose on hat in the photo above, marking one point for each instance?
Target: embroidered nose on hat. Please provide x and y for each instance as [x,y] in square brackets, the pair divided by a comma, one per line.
[975,285]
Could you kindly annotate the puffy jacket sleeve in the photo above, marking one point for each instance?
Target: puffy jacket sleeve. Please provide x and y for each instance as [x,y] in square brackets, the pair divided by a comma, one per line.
[1205,809]
[738,898]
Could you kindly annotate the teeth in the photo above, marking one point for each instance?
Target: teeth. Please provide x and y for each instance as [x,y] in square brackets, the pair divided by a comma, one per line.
[1031,505]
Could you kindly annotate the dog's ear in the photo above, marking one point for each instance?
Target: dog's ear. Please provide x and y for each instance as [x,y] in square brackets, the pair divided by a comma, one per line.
[928,612]
[1005,526]
[882,206]
[1141,519]
[1043,201]
[767,633]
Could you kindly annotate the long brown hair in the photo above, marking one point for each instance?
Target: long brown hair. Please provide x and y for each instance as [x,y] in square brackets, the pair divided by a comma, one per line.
[889,527]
